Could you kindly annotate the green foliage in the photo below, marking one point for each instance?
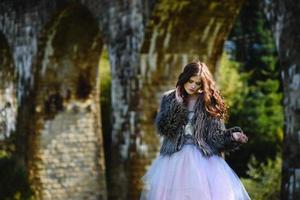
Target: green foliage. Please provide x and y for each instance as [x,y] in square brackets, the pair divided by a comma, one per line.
[106,109]
[264,105]
[13,176]
[231,83]
[105,91]
[13,182]
[258,110]
[264,179]
[256,94]
[3,154]
[255,46]
[105,77]
[262,114]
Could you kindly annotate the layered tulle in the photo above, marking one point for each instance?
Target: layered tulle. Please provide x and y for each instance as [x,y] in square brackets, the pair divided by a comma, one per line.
[187,175]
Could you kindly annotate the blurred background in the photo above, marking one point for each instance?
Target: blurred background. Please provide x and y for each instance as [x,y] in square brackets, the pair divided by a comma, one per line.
[81,83]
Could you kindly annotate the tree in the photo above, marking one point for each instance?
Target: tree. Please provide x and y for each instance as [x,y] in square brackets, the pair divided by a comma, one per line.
[257,109]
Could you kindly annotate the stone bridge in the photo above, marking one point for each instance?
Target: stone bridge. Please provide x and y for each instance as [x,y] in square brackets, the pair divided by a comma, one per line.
[50,53]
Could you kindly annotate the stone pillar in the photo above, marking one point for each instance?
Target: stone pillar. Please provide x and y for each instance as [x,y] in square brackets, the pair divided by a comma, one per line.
[21,25]
[59,124]
[66,158]
[123,28]
[8,91]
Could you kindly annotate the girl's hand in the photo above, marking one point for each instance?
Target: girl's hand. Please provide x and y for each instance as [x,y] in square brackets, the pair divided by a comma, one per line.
[178,95]
[240,137]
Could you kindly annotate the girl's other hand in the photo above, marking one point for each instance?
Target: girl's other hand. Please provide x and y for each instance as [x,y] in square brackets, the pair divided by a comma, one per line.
[178,95]
[240,137]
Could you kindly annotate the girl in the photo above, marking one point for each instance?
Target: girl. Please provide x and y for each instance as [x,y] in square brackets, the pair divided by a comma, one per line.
[190,165]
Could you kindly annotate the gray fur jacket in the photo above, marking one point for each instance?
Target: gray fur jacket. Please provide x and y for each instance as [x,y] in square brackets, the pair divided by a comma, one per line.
[210,133]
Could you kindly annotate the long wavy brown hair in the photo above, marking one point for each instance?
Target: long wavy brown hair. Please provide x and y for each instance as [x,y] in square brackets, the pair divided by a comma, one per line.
[213,100]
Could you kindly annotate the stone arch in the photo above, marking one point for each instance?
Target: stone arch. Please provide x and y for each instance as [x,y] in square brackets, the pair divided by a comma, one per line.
[65,148]
[175,34]
[8,90]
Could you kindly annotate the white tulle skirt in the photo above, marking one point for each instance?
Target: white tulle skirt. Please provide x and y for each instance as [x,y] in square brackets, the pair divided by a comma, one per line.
[187,175]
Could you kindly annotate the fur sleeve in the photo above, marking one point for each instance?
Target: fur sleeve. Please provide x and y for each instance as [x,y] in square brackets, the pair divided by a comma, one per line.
[220,137]
[170,116]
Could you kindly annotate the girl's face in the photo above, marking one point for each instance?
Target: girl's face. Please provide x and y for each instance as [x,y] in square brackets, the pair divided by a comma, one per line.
[193,85]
